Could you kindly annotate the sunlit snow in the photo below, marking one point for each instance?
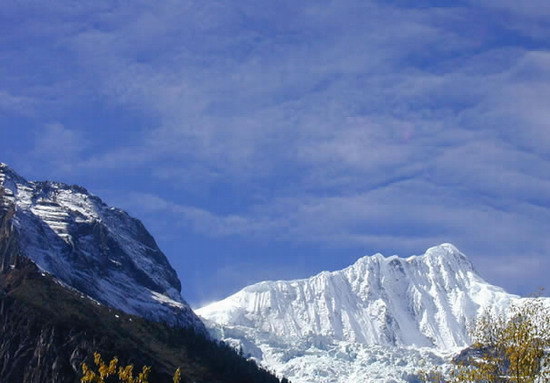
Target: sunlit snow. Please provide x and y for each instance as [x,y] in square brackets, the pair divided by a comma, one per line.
[380,319]
[93,248]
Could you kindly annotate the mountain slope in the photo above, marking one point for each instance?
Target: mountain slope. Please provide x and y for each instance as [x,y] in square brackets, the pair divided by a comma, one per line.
[360,321]
[48,330]
[96,249]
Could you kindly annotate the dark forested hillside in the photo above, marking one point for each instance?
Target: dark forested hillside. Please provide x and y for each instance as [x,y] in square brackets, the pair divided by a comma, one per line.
[48,330]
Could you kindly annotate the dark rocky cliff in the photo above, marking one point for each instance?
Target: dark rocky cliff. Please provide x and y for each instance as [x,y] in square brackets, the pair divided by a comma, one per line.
[9,250]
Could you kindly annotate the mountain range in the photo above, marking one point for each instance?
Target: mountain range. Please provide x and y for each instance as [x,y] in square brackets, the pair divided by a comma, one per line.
[380,319]
[78,276]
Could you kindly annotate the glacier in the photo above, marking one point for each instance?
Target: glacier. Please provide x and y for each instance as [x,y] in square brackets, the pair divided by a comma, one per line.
[382,319]
[96,249]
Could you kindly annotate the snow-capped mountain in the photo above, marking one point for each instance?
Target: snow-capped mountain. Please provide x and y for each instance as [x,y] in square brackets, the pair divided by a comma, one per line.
[379,319]
[96,249]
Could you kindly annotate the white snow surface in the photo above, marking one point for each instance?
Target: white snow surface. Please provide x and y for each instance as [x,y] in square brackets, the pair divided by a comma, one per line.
[381,319]
[96,249]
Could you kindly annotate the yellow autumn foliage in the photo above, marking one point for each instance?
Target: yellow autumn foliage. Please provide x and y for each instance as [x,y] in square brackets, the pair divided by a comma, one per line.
[512,349]
[111,370]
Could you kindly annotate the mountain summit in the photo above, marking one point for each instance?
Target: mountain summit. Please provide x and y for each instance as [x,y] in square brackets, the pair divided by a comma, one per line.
[98,250]
[347,325]
[423,301]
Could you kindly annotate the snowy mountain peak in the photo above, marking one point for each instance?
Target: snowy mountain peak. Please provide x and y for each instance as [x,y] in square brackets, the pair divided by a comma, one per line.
[426,300]
[96,249]
[444,249]
[4,168]
[8,177]
[444,255]
[447,251]
[376,320]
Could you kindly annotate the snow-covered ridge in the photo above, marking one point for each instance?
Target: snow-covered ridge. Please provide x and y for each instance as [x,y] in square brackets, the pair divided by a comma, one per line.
[96,249]
[424,301]
[381,316]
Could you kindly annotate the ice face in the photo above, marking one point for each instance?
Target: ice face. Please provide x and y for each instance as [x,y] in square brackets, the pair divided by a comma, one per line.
[380,317]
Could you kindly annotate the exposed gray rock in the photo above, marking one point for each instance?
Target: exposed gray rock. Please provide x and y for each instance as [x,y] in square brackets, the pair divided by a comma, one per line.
[94,248]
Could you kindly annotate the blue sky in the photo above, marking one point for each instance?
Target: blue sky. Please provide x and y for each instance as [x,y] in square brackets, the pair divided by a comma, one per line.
[275,139]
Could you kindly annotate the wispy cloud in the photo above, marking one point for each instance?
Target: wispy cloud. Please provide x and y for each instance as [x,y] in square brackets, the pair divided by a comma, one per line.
[57,146]
[14,103]
[387,125]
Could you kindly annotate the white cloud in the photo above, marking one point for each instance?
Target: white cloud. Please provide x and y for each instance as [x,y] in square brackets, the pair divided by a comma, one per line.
[15,103]
[404,218]
[354,121]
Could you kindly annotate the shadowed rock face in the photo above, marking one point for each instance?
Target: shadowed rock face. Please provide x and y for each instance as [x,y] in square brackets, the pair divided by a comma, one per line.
[96,249]
[9,249]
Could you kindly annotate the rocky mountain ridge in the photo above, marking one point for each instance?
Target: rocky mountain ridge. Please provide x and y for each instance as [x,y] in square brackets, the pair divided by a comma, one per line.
[96,249]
